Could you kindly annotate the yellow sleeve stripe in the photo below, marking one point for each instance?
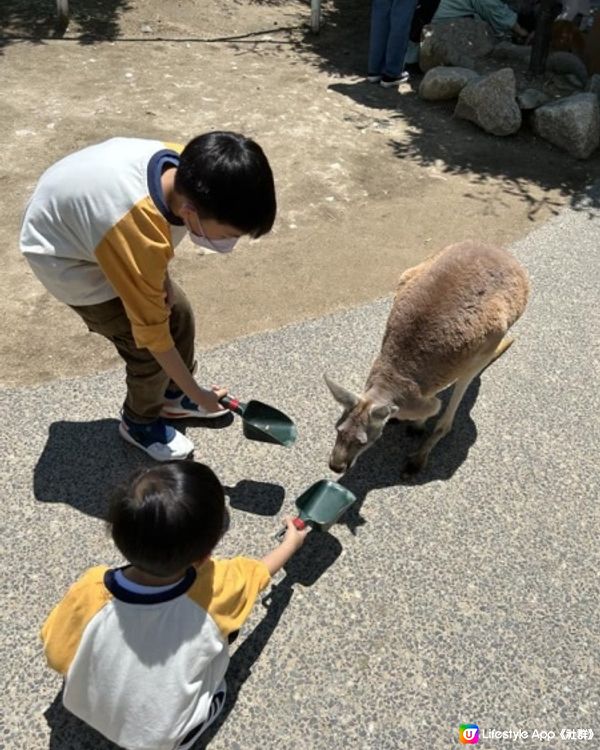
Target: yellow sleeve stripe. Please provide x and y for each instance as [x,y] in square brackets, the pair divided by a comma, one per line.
[62,631]
[174,146]
[134,255]
[228,589]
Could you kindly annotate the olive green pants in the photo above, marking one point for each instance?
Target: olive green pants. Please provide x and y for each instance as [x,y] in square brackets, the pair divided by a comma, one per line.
[146,380]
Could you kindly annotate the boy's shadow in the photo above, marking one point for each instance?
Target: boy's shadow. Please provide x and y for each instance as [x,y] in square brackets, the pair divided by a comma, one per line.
[318,553]
[383,464]
[82,461]
[67,732]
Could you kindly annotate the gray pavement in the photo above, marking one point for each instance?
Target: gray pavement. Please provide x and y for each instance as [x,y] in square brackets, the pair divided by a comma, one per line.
[469,595]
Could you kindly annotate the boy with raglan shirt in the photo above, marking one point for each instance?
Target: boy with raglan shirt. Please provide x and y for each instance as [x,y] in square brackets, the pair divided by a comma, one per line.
[144,648]
[99,232]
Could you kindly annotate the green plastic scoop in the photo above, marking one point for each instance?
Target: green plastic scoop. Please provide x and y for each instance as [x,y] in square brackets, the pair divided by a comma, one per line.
[321,505]
[262,422]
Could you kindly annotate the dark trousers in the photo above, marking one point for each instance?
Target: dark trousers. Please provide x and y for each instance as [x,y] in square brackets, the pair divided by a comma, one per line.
[146,380]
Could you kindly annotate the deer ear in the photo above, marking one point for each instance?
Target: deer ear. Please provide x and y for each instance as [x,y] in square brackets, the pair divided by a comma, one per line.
[346,398]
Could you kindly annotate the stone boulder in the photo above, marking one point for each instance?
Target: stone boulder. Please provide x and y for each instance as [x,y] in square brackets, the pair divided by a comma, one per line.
[593,84]
[572,124]
[445,83]
[490,102]
[531,99]
[567,64]
[460,42]
[516,54]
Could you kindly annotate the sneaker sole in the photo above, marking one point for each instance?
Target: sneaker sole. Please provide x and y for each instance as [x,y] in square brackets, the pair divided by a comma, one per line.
[123,432]
[169,413]
[392,84]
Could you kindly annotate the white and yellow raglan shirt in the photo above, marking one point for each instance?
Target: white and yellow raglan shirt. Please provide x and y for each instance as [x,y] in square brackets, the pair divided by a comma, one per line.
[97,227]
[142,667]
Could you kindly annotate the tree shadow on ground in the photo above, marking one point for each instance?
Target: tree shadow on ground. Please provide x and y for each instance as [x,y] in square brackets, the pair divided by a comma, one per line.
[82,462]
[319,552]
[97,20]
[434,138]
[383,464]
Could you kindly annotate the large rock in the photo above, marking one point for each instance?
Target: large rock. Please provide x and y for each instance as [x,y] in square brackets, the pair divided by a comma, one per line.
[445,83]
[532,99]
[460,42]
[572,124]
[511,53]
[567,64]
[491,103]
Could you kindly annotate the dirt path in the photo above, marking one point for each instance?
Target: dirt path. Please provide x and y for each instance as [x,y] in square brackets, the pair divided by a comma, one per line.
[369,181]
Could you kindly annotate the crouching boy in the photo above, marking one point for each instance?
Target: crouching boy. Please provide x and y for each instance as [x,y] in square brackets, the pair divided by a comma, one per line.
[144,648]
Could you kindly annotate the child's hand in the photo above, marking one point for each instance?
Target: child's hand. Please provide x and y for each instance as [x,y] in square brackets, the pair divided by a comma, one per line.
[209,400]
[291,543]
[294,538]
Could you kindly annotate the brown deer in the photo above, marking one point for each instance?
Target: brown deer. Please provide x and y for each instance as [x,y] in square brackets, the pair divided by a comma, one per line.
[448,322]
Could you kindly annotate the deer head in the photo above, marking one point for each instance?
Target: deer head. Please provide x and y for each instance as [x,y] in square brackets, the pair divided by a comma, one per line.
[360,425]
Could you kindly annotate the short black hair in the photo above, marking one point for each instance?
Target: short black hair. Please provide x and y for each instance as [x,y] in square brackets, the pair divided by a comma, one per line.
[166,517]
[227,177]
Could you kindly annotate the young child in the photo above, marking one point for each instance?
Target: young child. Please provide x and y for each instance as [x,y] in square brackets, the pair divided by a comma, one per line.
[144,648]
[99,232]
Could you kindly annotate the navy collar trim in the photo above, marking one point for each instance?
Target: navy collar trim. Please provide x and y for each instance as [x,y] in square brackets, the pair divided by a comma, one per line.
[156,167]
[130,597]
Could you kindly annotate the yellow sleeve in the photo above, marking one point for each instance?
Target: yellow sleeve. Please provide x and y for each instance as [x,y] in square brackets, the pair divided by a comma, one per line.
[228,589]
[134,255]
[62,631]
[177,147]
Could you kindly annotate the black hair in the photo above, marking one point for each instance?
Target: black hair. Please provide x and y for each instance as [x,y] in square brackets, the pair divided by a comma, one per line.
[167,517]
[227,177]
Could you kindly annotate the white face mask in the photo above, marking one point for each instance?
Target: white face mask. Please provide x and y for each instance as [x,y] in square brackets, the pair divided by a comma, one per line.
[218,246]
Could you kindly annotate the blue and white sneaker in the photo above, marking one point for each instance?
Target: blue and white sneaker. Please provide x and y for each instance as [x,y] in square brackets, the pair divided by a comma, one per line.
[158,439]
[178,406]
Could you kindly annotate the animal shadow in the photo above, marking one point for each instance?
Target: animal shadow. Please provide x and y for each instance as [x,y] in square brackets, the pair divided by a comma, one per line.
[384,463]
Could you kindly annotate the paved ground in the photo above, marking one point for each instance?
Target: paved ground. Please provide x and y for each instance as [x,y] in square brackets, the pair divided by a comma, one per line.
[470,595]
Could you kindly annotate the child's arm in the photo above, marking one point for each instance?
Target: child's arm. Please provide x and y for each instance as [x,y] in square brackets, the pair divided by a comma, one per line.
[292,541]
[172,363]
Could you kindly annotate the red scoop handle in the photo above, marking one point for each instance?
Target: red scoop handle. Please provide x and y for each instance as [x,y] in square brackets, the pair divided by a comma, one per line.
[298,523]
[229,402]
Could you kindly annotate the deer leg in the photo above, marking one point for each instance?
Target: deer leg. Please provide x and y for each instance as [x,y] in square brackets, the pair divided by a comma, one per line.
[418,460]
[502,347]
[416,427]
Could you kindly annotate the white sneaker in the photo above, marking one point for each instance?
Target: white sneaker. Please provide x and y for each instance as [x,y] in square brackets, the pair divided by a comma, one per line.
[389,82]
[158,439]
[181,407]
